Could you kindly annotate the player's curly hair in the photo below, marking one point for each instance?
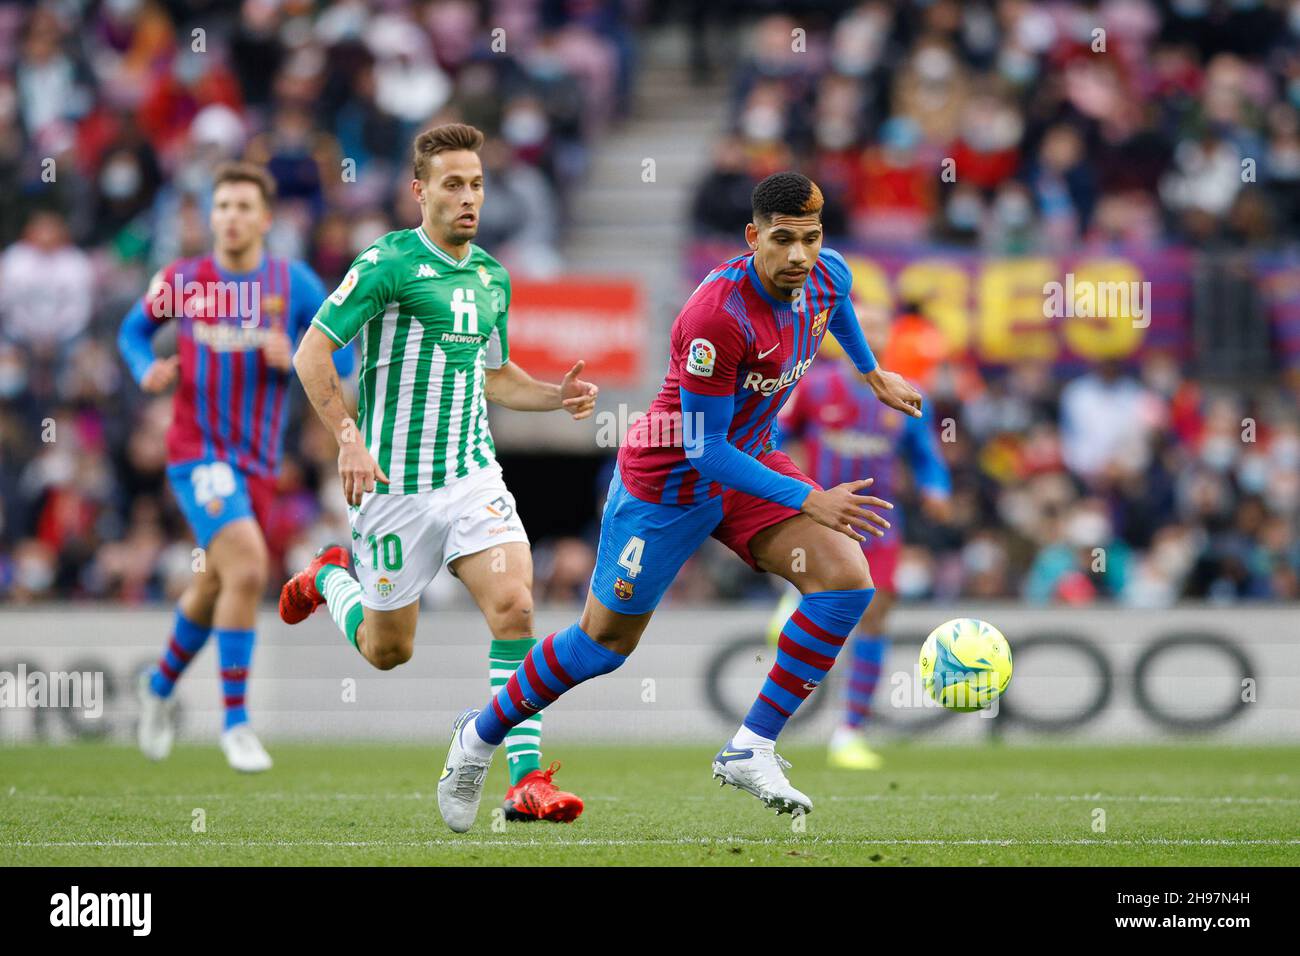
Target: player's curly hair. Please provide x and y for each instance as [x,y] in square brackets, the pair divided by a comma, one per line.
[440,139]
[786,194]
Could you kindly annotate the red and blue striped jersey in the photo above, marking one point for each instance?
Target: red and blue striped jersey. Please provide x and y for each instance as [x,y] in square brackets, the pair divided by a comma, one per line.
[730,338]
[229,405]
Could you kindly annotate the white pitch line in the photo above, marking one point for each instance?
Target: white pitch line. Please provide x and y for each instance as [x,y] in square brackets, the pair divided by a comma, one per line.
[849,798]
[685,841]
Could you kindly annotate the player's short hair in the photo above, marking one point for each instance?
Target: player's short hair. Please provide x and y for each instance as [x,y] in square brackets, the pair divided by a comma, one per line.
[239,171]
[442,139]
[786,194]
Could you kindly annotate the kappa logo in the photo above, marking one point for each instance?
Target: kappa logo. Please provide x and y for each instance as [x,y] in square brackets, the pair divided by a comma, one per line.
[371,256]
[426,271]
[701,356]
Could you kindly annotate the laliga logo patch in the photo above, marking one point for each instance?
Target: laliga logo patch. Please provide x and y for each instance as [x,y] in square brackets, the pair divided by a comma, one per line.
[623,589]
[384,587]
[339,295]
[700,358]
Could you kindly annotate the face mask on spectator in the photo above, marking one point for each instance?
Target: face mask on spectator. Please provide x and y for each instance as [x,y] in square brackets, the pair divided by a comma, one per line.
[965,211]
[120,178]
[912,578]
[761,123]
[1286,453]
[34,573]
[524,127]
[934,65]
[834,134]
[1218,452]
[13,374]
[1017,66]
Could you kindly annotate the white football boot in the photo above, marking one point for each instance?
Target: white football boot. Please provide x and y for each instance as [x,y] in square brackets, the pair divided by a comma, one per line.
[157,729]
[460,788]
[761,772]
[244,752]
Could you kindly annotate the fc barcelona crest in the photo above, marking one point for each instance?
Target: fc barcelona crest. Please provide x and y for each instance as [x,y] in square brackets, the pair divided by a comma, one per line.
[819,321]
[623,589]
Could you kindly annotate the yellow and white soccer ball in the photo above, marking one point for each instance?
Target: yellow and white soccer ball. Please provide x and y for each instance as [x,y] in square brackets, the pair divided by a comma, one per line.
[965,664]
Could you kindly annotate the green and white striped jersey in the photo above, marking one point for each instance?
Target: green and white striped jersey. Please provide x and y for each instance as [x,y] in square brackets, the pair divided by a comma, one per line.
[429,327]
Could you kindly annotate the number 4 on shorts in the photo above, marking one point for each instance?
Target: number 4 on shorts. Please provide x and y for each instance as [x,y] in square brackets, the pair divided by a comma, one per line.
[630,559]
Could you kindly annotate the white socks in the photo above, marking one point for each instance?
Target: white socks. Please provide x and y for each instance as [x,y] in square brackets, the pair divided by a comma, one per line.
[475,745]
[748,740]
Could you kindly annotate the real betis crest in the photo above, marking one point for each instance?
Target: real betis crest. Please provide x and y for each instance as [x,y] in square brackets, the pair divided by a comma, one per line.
[484,276]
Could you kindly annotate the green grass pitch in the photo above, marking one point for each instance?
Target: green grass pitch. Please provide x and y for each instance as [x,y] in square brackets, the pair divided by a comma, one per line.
[1185,804]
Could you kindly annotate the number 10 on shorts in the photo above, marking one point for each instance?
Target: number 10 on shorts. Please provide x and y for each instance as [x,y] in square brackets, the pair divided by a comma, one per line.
[391,547]
[630,558]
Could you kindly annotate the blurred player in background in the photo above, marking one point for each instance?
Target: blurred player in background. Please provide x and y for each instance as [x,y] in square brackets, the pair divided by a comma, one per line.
[423,485]
[745,337]
[836,430]
[238,312]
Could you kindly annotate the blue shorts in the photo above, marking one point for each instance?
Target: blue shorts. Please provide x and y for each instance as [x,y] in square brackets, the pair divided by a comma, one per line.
[643,546]
[212,494]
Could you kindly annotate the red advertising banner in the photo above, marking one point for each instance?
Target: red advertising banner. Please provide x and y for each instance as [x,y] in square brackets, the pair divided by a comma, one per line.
[557,322]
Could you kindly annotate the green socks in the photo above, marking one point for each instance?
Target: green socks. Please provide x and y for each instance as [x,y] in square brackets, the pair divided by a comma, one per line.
[523,742]
[343,597]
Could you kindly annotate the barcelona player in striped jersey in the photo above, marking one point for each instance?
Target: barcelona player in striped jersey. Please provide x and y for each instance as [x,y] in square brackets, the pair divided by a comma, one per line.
[701,463]
[835,428]
[238,312]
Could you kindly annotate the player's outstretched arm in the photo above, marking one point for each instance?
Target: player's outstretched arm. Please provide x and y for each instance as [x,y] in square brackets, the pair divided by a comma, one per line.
[314,363]
[135,342]
[894,390]
[512,387]
[890,387]
[705,420]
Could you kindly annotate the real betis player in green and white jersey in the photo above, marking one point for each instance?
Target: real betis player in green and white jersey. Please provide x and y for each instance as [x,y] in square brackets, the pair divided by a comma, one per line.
[417,463]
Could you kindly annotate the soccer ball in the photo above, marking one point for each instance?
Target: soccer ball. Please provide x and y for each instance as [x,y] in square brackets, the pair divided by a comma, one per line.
[965,664]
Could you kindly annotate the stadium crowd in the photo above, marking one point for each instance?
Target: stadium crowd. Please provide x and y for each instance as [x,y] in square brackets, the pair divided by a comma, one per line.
[1057,124]
[1136,484]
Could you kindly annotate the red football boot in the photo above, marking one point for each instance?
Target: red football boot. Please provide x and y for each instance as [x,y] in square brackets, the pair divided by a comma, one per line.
[536,798]
[299,597]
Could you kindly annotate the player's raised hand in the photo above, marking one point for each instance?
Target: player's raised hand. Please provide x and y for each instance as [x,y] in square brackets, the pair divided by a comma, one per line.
[895,391]
[842,509]
[278,350]
[577,397]
[161,374]
[357,469]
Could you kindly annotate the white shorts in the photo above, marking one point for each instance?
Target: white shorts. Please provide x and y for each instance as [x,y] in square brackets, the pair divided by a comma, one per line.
[401,542]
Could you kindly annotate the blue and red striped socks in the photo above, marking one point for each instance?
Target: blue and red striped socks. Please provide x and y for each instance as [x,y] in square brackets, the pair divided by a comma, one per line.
[805,653]
[186,640]
[554,665]
[235,648]
[868,657]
